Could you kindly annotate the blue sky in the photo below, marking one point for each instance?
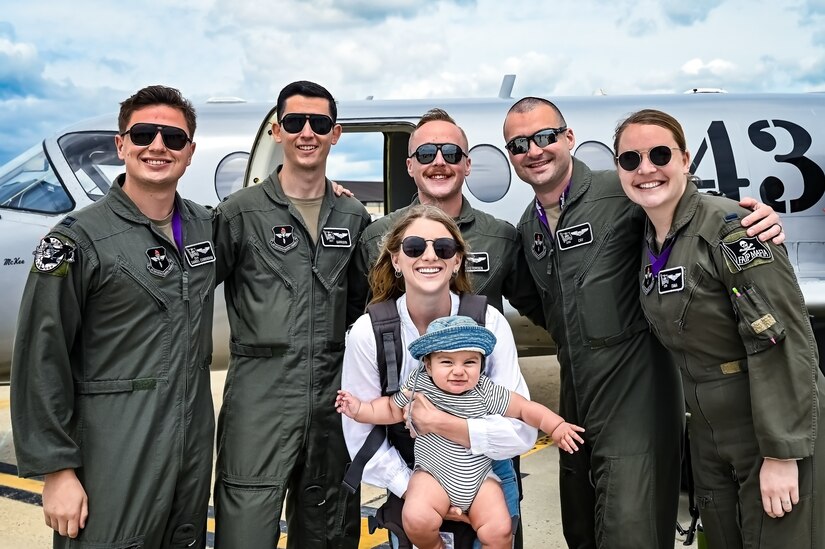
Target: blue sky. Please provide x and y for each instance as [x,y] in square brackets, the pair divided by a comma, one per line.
[65,61]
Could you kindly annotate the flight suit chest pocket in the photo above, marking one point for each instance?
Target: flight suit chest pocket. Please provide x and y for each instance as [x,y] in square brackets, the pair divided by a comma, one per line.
[267,294]
[332,272]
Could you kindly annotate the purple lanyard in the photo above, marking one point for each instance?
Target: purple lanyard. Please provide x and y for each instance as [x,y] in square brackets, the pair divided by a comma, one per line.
[562,201]
[657,262]
[177,229]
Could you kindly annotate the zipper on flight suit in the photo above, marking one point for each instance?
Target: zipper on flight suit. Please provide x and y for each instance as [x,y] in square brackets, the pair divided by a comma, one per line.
[187,309]
[681,322]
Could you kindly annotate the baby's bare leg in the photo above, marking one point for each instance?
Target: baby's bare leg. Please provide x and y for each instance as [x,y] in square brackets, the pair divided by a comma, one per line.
[490,518]
[425,505]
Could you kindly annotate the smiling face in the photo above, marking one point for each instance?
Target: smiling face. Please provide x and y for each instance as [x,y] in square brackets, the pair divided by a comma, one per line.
[439,181]
[306,150]
[426,274]
[545,169]
[654,188]
[154,166]
[454,372]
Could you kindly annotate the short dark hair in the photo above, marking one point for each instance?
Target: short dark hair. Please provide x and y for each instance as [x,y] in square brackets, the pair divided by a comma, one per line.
[157,95]
[307,89]
[527,104]
[439,115]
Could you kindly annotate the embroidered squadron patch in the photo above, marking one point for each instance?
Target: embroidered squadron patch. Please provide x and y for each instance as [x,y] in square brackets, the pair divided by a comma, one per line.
[539,248]
[332,237]
[199,254]
[477,262]
[671,280]
[159,264]
[743,252]
[648,281]
[573,237]
[53,256]
[284,238]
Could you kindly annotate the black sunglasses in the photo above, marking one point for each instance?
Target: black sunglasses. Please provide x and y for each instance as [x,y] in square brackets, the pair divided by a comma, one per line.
[451,152]
[542,138]
[321,124]
[414,246]
[659,156]
[143,134]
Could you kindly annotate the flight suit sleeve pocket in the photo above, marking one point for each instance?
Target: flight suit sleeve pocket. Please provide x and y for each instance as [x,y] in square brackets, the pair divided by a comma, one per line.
[759,324]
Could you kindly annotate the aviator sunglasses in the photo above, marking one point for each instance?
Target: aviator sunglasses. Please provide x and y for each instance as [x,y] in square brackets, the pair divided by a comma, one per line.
[425,154]
[659,156]
[320,124]
[542,138]
[414,246]
[143,134]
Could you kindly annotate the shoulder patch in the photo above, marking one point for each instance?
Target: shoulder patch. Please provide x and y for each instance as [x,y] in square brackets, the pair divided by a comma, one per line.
[68,221]
[53,256]
[743,252]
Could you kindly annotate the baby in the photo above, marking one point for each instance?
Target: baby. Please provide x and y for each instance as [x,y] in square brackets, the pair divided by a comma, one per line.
[446,474]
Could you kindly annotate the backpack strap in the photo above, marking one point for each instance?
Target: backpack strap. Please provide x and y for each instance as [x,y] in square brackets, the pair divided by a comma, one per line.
[474,306]
[386,325]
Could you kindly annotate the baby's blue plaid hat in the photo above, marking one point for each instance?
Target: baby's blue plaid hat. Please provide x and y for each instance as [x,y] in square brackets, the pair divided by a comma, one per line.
[453,333]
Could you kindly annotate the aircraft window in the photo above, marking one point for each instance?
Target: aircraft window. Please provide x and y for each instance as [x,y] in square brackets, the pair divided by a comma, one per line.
[93,159]
[229,174]
[596,155]
[30,184]
[489,178]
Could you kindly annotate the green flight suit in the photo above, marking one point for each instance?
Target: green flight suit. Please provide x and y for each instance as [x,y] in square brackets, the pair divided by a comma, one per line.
[730,310]
[110,375]
[621,489]
[289,302]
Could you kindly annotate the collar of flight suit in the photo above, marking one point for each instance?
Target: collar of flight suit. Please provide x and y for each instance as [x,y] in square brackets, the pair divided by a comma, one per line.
[685,211]
[275,191]
[122,205]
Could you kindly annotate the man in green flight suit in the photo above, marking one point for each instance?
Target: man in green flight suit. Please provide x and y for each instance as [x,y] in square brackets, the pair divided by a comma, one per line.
[580,240]
[110,375]
[293,284]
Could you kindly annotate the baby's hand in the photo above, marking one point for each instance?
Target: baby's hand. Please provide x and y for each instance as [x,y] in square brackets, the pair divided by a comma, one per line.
[566,435]
[346,403]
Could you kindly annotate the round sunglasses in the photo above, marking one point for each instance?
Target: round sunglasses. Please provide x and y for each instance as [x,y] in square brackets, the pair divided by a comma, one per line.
[659,156]
[320,124]
[425,154]
[142,135]
[542,138]
[414,246]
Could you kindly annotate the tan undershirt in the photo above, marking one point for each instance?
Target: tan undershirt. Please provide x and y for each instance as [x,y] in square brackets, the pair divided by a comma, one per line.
[310,210]
[553,213]
[165,225]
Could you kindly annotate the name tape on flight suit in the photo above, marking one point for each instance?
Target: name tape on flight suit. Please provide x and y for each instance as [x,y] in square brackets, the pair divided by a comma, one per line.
[333,237]
[672,280]
[477,262]
[199,254]
[573,237]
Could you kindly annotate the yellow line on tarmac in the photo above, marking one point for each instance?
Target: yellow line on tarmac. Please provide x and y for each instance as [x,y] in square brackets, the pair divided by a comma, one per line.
[541,444]
[26,484]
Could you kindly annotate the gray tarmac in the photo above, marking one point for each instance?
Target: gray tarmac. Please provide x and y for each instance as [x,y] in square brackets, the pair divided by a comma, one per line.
[22,525]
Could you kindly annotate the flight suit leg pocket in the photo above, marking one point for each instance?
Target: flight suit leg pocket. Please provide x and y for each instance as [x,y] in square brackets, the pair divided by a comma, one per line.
[347,518]
[758,322]
[792,530]
[625,501]
[136,542]
[720,517]
[247,512]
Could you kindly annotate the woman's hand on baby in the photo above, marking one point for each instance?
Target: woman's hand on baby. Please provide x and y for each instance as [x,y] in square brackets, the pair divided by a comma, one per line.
[566,435]
[346,403]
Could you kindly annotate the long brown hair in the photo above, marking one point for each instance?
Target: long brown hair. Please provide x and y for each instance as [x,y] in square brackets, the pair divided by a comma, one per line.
[384,285]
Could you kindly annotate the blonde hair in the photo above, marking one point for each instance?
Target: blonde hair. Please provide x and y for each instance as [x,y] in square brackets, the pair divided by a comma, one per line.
[384,285]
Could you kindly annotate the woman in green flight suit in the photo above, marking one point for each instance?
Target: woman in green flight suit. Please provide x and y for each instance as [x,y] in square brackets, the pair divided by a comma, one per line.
[729,309]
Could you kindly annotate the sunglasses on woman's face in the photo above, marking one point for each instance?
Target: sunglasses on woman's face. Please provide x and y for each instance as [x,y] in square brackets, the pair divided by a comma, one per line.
[320,124]
[659,156]
[425,154]
[414,246]
[142,135]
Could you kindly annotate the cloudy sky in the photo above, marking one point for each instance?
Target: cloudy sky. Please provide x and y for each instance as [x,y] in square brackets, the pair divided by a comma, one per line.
[64,61]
